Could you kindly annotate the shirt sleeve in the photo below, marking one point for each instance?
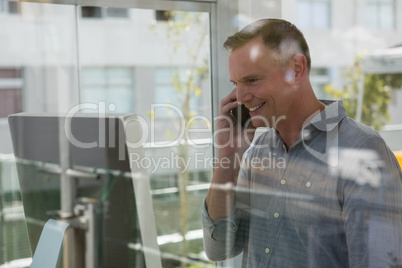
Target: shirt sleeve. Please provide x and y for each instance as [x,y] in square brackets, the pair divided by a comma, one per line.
[219,235]
[372,201]
[225,238]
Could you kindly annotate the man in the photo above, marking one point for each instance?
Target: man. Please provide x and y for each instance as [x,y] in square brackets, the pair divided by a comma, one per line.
[316,189]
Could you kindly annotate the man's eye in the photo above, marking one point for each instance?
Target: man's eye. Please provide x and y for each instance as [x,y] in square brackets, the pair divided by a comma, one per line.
[252,80]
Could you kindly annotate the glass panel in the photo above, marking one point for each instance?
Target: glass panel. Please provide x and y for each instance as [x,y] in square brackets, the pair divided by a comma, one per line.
[165,85]
[38,73]
[123,68]
[144,64]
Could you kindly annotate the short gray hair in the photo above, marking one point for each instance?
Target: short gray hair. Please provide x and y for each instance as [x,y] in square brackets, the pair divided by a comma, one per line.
[281,36]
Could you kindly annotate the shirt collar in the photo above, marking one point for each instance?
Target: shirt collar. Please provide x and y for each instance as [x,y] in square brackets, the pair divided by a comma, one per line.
[330,117]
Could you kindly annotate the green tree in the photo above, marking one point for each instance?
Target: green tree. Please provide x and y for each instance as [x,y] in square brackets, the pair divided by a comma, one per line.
[376,96]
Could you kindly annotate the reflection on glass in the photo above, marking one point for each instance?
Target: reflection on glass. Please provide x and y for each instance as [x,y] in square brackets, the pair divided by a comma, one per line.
[138,63]
[37,74]
[153,63]
[157,66]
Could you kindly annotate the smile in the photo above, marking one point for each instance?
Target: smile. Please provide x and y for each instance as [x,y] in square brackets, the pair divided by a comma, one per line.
[252,109]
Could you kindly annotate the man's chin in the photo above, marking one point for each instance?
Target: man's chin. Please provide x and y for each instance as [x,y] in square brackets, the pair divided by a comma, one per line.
[256,123]
[261,121]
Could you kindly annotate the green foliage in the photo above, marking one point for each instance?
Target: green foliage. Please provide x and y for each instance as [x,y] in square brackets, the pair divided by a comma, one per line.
[376,96]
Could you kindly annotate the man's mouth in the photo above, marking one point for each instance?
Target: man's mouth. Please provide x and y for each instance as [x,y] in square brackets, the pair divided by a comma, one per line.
[252,109]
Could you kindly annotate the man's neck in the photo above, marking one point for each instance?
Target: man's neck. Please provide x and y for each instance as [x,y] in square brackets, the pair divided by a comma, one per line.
[290,129]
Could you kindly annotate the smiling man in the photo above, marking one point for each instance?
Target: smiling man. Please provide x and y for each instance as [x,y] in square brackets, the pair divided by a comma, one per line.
[334,201]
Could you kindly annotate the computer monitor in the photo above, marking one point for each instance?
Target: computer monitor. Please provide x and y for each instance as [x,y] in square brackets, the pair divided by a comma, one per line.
[97,146]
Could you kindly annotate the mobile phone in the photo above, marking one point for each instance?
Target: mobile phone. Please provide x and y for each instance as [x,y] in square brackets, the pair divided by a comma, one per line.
[241,114]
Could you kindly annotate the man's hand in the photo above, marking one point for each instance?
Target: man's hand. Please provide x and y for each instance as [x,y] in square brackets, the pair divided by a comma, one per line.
[231,137]
[232,141]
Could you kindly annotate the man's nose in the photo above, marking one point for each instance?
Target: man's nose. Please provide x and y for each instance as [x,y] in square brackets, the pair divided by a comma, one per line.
[242,95]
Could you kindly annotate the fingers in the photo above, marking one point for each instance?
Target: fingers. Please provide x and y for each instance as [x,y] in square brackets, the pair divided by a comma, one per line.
[228,103]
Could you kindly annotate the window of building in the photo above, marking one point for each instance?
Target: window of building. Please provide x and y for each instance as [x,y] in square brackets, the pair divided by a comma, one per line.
[380,14]
[314,14]
[9,7]
[319,78]
[91,12]
[163,15]
[99,12]
[113,12]
[167,93]
[10,91]
[112,86]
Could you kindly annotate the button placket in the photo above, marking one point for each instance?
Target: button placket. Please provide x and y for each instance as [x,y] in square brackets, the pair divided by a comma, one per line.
[276,209]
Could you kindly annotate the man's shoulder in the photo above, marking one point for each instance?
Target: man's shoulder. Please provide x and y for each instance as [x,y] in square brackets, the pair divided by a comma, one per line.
[263,135]
[346,126]
[356,133]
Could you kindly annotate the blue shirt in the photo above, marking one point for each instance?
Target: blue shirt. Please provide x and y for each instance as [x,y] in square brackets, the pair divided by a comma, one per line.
[333,199]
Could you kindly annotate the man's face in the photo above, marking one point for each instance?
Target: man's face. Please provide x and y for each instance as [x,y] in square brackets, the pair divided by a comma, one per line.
[262,85]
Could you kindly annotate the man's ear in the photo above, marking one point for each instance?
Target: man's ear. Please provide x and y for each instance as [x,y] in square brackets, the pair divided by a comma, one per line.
[299,67]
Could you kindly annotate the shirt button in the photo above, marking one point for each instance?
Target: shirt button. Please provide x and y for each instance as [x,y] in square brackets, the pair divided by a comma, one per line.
[308,184]
[276,215]
[267,250]
[283,182]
